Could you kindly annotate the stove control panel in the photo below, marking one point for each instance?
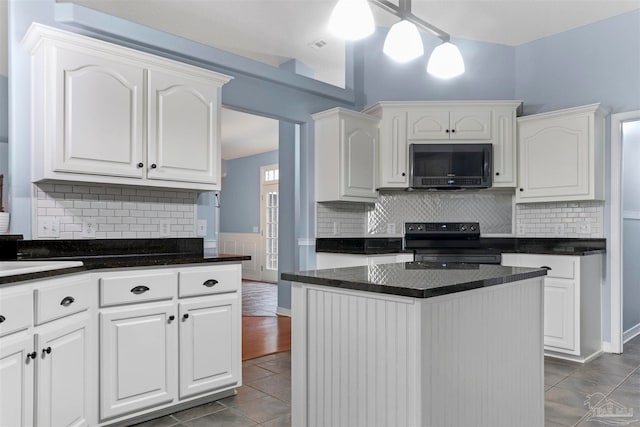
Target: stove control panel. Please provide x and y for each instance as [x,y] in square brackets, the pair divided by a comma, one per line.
[442,228]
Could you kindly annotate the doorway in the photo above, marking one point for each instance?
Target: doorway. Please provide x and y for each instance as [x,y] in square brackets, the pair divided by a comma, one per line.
[625,229]
[269,206]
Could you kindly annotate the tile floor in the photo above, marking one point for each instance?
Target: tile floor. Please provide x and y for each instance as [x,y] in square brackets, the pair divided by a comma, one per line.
[265,397]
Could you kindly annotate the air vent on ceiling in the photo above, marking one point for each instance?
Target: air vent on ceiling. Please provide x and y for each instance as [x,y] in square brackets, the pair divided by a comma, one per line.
[317,44]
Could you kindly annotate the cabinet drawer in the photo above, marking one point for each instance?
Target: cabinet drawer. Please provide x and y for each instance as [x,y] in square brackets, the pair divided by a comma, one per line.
[210,280]
[134,288]
[16,311]
[70,296]
[561,266]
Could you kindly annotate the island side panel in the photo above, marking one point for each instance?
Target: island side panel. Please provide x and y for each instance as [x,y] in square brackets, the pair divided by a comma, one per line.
[369,359]
[353,358]
[481,358]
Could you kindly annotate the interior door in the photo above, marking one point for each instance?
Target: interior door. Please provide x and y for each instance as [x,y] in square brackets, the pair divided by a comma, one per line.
[270,200]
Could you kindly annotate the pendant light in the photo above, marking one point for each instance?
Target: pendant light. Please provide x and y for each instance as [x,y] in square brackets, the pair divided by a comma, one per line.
[403,42]
[351,20]
[446,61]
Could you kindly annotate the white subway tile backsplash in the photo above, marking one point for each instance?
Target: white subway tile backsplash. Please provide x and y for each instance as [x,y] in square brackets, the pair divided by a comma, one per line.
[541,219]
[118,212]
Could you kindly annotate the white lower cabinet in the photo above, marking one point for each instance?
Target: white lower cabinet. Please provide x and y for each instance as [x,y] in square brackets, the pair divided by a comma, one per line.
[209,355]
[138,347]
[64,381]
[167,336]
[572,296]
[16,381]
[47,362]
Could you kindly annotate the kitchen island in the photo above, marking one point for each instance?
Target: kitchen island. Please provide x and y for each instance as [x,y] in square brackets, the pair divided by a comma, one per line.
[418,344]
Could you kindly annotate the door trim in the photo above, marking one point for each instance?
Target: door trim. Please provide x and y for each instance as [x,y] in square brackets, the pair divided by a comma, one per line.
[615,250]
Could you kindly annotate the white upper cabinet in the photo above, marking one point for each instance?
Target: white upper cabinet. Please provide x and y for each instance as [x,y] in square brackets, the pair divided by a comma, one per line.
[97,116]
[346,156]
[109,114]
[183,128]
[561,155]
[437,122]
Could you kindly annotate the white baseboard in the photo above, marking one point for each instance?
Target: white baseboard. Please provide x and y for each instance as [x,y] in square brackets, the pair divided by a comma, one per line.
[631,333]
[281,311]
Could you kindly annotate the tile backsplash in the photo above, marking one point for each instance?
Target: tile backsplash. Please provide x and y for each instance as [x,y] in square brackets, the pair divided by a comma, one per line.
[560,219]
[494,210]
[116,212]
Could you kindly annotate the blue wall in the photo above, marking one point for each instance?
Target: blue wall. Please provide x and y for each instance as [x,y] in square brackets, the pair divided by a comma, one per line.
[240,196]
[595,63]
[4,109]
[490,73]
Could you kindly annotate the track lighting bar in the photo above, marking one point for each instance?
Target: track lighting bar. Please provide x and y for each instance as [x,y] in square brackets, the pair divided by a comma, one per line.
[403,11]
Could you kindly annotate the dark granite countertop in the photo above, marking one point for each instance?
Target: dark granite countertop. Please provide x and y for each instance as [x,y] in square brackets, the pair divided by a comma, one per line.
[553,246]
[415,279]
[113,253]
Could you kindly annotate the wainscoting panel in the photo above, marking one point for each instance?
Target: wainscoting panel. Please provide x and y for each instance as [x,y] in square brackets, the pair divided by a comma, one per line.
[243,244]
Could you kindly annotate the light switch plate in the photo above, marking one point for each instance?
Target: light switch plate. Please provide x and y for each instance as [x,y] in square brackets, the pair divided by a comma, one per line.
[202,227]
[391,228]
[49,227]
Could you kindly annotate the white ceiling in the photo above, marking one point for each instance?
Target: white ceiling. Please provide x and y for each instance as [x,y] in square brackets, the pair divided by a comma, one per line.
[246,134]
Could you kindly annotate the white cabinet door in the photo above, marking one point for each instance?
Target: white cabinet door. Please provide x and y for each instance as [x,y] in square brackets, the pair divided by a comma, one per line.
[434,123]
[554,158]
[65,395]
[504,148]
[210,344]
[183,128]
[394,158]
[427,124]
[559,313]
[359,151]
[97,102]
[138,346]
[469,125]
[16,381]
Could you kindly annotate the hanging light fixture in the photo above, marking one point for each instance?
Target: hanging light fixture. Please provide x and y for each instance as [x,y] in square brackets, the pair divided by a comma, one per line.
[403,42]
[351,20]
[446,61]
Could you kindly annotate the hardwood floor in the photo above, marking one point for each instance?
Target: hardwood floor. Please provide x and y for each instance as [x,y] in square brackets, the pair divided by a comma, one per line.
[263,332]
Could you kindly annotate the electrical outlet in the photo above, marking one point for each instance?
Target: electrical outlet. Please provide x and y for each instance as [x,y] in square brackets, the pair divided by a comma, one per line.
[391,228]
[584,228]
[202,227]
[89,229]
[165,228]
[558,230]
[49,227]
[521,230]
[336,228]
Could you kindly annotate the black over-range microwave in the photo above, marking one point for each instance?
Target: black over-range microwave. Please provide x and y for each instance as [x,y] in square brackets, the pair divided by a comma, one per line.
[450,166]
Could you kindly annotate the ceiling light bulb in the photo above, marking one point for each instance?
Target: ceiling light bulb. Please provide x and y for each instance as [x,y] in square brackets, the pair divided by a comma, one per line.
[351,20]
[403,42]
[446,61]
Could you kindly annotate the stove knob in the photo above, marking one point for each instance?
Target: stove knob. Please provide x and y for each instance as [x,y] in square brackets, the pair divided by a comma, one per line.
[463,228]
[420,228]
[473,228]
[410,228]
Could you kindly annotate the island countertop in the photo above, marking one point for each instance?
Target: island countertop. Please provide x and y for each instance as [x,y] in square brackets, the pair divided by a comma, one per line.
[415,279]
